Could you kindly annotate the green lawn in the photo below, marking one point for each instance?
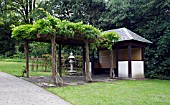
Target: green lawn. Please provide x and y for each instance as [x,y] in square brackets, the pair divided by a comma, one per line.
[120,92]
[16,68]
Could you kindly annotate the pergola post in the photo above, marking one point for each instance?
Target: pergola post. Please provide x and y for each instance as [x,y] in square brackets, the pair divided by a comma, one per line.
[88,74]
[53,48]
[117,60]
[83,60]
[59,60]
[92,63]
[111,65]
[27,58]
[129,61]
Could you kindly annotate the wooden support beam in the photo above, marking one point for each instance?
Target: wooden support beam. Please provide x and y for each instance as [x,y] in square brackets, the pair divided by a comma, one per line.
[111,65]
[45,64]
[27,59]
[53,48]
[129,61]
[83,60]
[143,51]
[59,60]
[117,59]
[88,74]
[32,65]
[37,63]
[92,63]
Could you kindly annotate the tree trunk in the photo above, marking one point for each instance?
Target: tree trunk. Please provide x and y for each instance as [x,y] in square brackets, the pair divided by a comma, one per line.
[53,48]
[34,4]
[88,74]
[27,59]
[26,13]
[112,74]
[30,10]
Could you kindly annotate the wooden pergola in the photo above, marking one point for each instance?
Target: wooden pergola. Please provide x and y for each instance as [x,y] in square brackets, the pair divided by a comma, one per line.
[61,41]
[62,32]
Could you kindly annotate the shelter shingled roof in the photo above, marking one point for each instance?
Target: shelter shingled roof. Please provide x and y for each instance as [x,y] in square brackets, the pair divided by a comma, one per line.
[126,34]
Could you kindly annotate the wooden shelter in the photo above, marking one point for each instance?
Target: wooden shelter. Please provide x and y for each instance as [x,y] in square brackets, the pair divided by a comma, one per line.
[54,30]
[128,55]
[128,52]
[59,41]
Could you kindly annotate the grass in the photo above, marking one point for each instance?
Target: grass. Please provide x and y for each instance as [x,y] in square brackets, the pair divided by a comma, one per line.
[15,68]
[12,60]
[120,92]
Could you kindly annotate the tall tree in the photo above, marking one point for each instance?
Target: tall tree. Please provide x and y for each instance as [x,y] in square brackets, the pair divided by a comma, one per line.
[88,11]
[6,19]
[14,13]
[23,8]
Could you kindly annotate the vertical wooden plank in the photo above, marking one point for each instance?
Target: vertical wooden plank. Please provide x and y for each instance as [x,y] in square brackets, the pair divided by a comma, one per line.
[45,64]
[129,61]
[143,56]
[32,58]
[88,74]
[53,48]
[92,63]
[27,59]
[111,65]
[117,59]
[143,53]
[37,63]
[59,60]
[83,60]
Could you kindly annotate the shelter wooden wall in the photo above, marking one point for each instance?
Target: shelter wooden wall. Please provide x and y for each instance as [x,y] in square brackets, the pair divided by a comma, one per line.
[136,54]
[104,56]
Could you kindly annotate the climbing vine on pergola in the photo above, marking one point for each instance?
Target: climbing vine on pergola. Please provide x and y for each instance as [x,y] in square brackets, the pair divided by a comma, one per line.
[52,26]
[51,29]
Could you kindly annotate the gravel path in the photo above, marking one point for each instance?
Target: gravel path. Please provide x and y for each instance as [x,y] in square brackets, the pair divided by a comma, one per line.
[15,91]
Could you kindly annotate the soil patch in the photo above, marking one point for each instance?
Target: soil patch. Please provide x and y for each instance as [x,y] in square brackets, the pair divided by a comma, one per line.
[45,81]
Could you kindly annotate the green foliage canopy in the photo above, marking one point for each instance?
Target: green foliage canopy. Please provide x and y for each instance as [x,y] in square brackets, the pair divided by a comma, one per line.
[62,29]
[54,26]
[107,38]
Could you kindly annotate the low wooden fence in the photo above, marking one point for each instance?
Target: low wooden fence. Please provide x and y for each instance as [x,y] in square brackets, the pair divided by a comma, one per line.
[40,64]
[44,64]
